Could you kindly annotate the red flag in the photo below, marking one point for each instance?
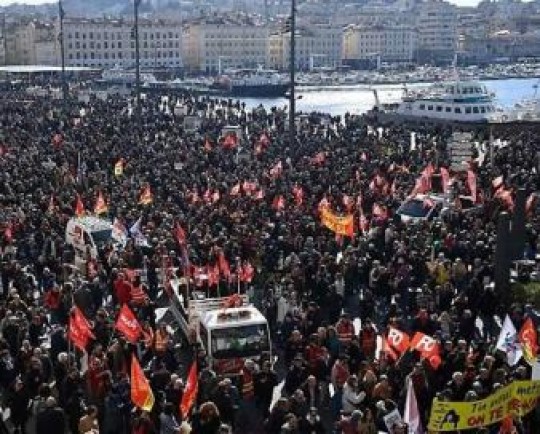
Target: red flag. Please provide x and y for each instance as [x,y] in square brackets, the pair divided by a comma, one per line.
[101,205]
[79,207]
[79,329]
[298,194]
[8,233]
[445,176]
[127,324]
[379,212]
[141,392]
[179,234]
[264,140]
[249,187]
[323,204]
[224,266]
[278,203]
[347,202]
[231,141]
[427,347]
[259,195]
[190,391]
[528,337]
[213,275]
[246,272]
[397,340]
[277,170]
[146,197]
[471,183]
[235,191]
[428,171]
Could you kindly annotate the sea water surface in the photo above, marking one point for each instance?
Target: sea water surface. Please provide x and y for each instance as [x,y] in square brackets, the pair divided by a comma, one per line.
[359,99]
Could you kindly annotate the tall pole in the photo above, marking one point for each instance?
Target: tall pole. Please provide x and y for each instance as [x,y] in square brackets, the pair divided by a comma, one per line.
[136,4]
[61,15]
[292,66]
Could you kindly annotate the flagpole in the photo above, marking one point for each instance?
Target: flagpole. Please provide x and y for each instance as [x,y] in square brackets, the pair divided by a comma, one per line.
[238,275]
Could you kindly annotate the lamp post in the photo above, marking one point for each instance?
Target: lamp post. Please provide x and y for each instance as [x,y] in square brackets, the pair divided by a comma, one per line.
[292,66]
[61,15]
[136,4]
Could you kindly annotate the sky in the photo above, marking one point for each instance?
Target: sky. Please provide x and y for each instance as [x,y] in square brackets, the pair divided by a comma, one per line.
[36,2]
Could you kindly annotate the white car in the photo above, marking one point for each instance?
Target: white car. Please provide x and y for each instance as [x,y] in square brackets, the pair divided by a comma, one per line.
[429,207]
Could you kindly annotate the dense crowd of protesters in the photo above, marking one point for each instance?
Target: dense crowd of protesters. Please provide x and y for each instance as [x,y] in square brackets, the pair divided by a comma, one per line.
[433,277]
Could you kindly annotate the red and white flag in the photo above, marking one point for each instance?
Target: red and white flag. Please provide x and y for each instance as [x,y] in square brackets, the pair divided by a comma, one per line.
[179,234]
[246,272]
[277,170]
[278,203]
[127,324]
[427,347]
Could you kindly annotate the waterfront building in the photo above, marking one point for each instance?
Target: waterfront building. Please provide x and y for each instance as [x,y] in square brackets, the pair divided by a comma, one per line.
[31,43]
[211,44]
[437,24]
[106,43]
[387,43]
[316,46]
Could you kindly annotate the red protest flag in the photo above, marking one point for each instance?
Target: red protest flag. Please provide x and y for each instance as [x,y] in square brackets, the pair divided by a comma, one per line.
[146,197]
[100,206]
[79,207]
[230,142]
[246,272]
[528,337]
[445,176]
[298,193]
[277,170]
[213,274]
[249,187]
[141,392]
[224,266]
[278,203]
[427,347]
[79,329]
[179,234]
[235,191]
[8,233]
[471,183]
[399,341]
[190,391]
[127,324]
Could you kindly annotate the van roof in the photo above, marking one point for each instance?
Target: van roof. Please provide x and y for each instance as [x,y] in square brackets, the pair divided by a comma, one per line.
[237,316]
[93,224]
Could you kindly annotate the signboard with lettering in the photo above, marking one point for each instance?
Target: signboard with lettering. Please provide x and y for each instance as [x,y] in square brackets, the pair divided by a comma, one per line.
[516,399]
[460,148]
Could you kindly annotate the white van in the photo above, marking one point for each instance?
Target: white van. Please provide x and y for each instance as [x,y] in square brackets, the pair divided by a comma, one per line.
[88,232]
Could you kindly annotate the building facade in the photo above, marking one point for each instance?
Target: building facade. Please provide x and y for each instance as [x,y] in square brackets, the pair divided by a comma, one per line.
[106,43]
[32,43]
[437,25]
[388,43]
[316,46]
[221,43]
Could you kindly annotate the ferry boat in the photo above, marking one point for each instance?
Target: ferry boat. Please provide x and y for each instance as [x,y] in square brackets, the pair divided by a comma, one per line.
[446,102]
[262,83]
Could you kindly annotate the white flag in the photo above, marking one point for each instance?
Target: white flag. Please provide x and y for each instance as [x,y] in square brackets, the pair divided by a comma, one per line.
[136,232]
[508,342]
[412,416]
[119,232]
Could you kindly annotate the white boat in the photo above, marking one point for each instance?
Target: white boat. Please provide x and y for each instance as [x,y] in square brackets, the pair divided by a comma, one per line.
[527,110]
[449,101]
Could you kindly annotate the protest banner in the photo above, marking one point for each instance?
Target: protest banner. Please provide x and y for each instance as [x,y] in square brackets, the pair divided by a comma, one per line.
[517,399]
[339,225]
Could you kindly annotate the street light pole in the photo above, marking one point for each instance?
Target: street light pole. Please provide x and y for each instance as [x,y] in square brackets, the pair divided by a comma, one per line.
[61,15]
[292,66]
[136,4]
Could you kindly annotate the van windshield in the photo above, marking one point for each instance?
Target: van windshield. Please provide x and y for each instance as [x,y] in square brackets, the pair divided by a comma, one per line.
[245,341]
[414,208]
[102,237]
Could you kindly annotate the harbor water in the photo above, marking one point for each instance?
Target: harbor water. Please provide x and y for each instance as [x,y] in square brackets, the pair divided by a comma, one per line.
[359,99]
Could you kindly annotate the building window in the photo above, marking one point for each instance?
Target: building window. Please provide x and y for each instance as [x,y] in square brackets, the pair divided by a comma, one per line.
[91,35]
[468,110]
[422,106]
[457,110]
[430,107]
[448,109]
[439,108]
